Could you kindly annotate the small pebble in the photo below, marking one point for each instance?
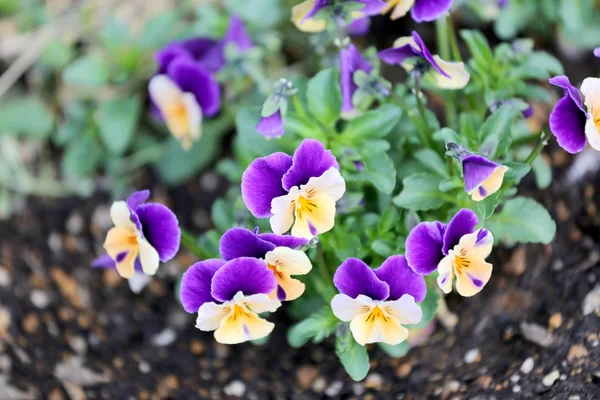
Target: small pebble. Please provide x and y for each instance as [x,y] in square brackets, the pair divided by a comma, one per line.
[515,378]
[358,389]
[374,381]
[39,298]
[471,356]
[236,388]
[516,389]
[144,367]
[75,223]
[209,182]
[4,321]
[555,321]
[527,365]
[30,323]
[319,384]
[574,397]
[5,278]
[78,344]
[551,378]
[334,388]
[591,302]
[537,334]
[55,242]
[164,338]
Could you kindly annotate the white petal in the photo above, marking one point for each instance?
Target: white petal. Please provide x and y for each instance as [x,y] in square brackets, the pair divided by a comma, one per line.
[401,41]
[404,309]
[459,77]
[148,257]
[590,88]
[473,248]
[592,134]
[345,308]
[446,274]
[163,91]
[293,262]
[282,209]
[260,303]
[210,315]
[330,184]
[194,113]
[138,281]
[120,215]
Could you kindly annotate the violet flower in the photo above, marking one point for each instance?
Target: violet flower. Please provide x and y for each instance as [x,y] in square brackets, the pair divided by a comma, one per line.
[570,122]
[482,176]
[377,303]
[303,14]
[143,236]
[597,51]
[279,253]
[274,109]
[296,192]
[228,296]
[184,90]
[420,10]
[443,74]
[351,60]
[455,249]
[271,126]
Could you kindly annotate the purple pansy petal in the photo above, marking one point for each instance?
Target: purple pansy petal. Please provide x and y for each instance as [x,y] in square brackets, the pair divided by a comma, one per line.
[359,27]
[528,112]
[597,51]
[240,242]
[161,229]
[271,126]
[354,278]
[198,48]
[463,223]
[563,82]
[165,56]
[137,199]
[104,261]
[372,7]
[426,54]
[310,160]
[319,5]
[476,169]
[401,279]
[191,77]
[424,247]
[429,10]
[237,34]
[195,284]
[261,182]
[397,55]
[351,60]
[247,275]
[290,241]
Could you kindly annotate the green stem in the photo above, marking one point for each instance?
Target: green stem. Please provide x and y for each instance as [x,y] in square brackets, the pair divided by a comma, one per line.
[190,242]
[453,41]
[442,38]
[450,165]
[415,119]
[322,264]
[298,105]
[444,30]
[538,149]
[420,105]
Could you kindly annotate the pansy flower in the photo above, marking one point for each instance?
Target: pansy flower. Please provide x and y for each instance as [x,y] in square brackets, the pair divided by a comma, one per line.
[597,51]
[456,250]
[482,176]
[351,60]
[184,90]
[143,236]
[296,192]
[420,10]
[280,253]
[303,14]
[274,109]
[378,303]
[228,296]
[570,122]
[412,54]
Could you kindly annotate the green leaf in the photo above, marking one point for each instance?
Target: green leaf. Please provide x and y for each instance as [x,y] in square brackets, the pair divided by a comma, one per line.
[352,355]
[516,172]
[373,124]
[317,327]
[324,97]
[389,219]
[384,248]
[451,183]
[156,32]
[117,120]
[27,116]
[222,215]
[302,126]
[420,192]
[522,220]
[496,131]
[380,171]
[57,55]
[253,144]
[395,351]
[89,70]
[478,46]
[81,157]
[542,171]
[487,206]
[429,305]
[432,161]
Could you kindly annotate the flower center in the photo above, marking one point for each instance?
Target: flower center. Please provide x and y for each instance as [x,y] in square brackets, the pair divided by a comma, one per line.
[460,261]
[238,312]
[305,204]
[276,271]
[176,114]
[375,314]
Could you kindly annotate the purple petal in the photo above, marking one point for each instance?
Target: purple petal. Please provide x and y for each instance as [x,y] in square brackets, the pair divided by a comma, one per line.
[290,241]
[401,279]
[359,27]
[570,90]
[463,223]
[319,5]
[426,54]
[597,51]
[351,60]
[237,34]
[567,120]
[191,77]
[161,229]
[195,284]
[247,275]
[240,242]
[424,247]
[165,56]
[372,7]
[261,183]
[310,160]
[476,169]
[137,199]
[397,55]
[528,112]
[271,126]
[198,48]
[354,278]
[429,10]
[104,261]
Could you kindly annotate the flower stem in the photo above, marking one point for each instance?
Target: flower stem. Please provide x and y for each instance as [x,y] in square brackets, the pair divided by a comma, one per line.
[453,41]
[298,105]
[443,27]
[411,115]
[538,149]
[420,105]
[190,242]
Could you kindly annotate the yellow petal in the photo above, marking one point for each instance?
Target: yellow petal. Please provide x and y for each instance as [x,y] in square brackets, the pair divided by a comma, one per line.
[310,25]
[377,326]
[330,184]
[288,288]
[242,325]
[122,246]
[402,9]
[459,77]
[491,185]
[471,279]
[313,216]
[289,261]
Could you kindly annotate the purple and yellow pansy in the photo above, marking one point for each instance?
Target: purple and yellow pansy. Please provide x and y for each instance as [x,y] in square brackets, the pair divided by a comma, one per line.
[378,303]
[304,15]
[351,60]
[455,250]
[298,192]
[420,10]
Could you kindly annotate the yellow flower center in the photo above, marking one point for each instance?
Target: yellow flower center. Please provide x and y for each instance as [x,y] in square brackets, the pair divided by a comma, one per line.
[239,312]
[375,314]
[177,117]
[305,204]
[460,261]
[276,271]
